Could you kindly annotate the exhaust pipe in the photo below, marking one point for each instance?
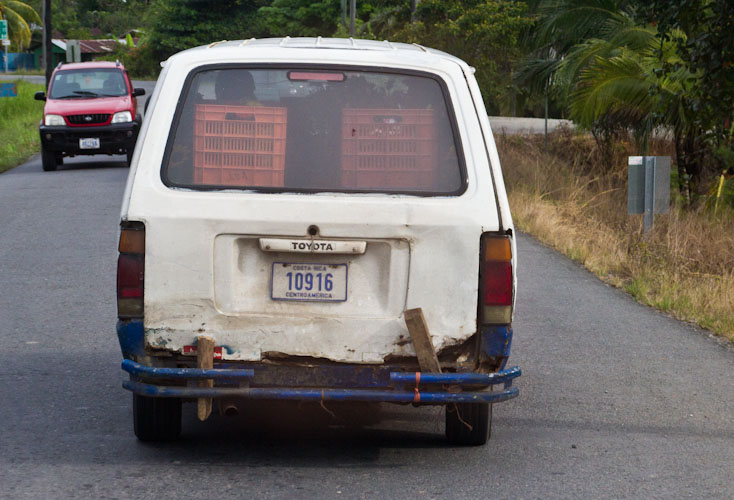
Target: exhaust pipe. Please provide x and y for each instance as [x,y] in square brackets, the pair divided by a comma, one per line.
[228,408]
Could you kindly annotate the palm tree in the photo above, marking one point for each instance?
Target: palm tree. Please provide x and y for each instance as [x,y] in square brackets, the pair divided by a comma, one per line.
[18,15]
[623,86]
[606,70]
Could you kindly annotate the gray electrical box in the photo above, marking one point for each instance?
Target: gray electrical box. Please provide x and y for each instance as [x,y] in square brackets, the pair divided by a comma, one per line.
[636,184]
[648,187]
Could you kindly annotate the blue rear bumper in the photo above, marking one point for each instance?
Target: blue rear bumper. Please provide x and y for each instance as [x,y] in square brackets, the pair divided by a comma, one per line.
[394,387]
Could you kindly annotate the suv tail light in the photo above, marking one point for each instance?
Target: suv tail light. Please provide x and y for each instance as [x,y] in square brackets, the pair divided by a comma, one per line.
[495,279]
[131,271]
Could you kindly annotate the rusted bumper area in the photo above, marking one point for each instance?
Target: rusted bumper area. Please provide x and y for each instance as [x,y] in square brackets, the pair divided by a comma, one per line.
[402,387]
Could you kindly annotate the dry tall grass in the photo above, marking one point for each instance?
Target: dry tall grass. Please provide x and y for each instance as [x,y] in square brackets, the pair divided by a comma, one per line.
[563,197]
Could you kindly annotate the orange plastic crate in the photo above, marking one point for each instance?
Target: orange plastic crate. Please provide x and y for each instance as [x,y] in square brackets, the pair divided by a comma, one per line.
[239,145]
[389,148]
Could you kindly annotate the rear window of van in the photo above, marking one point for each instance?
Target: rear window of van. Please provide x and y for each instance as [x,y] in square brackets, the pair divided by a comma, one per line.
[314,130]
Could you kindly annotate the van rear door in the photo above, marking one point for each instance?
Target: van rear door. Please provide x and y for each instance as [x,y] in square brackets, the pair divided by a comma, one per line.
[303,209]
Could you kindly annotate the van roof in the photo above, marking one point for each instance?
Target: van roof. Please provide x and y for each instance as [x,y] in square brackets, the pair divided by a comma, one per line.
[396,49]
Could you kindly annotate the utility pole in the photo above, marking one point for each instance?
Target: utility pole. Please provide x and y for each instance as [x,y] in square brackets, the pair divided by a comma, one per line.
[352,15]
[413,5]
[344,13]
[47,45]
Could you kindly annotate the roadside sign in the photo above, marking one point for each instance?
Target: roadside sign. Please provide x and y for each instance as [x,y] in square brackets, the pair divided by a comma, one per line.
[6,42]
[9,89]
[3,29]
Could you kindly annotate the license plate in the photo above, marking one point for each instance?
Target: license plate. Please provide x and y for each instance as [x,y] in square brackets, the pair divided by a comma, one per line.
[89,143]
[309,282]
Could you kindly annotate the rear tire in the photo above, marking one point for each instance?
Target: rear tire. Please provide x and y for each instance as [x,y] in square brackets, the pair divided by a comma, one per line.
[478,416]
[129,158]
[156,419]
[48,160]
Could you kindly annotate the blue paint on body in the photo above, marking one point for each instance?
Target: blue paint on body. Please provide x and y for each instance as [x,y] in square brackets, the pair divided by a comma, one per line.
[496,342]
[131,335]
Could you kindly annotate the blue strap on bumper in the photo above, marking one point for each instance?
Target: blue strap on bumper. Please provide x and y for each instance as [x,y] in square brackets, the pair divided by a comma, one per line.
[405,387]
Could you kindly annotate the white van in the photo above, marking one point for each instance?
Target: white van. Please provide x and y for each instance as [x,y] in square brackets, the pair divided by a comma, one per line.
[291,203]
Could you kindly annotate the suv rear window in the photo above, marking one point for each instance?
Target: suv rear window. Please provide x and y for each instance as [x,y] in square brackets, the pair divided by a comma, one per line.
[314,129]
[80,83]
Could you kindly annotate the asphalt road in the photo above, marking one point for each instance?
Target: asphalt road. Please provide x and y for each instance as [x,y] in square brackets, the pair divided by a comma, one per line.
[616,400]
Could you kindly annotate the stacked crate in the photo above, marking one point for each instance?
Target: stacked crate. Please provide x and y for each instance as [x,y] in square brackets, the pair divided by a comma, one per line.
[239,145]
[389,148]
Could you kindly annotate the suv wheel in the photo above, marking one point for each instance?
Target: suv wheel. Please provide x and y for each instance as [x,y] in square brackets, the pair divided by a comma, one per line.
[48,160]
[129,158]
[156,419]
[468,424]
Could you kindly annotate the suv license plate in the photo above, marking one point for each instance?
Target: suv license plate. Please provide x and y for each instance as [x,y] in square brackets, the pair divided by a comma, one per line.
[89,143]
[309,282]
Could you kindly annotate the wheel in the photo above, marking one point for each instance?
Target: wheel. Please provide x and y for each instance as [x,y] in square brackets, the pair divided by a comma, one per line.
[156,419]
[48,160]
[129,158]
[461,416]
[59,159]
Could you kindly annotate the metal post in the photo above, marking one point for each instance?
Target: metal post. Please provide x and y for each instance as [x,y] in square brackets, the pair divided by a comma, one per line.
[352,15]
[344,13]
[546,118]
[649,215]
[5,47]
[413,5]
[47,45]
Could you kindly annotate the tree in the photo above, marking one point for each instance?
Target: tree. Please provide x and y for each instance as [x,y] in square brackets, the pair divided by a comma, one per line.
[84,19]
[175,25]
[485,33]
[703,32]
[611,67]
[298,18]
[18,15]
[620,86]
[568,37]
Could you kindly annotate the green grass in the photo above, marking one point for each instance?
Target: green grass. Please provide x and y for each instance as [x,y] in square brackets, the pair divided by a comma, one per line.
[35,72]
[19,118]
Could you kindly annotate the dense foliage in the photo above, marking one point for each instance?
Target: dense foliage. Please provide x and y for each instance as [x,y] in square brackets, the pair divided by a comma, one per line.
[19,15]
[486,33]
[614,66]
[644,67]
[84,19]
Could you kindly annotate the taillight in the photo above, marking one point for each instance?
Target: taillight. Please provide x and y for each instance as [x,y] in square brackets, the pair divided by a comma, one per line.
[496,283]
[131,271]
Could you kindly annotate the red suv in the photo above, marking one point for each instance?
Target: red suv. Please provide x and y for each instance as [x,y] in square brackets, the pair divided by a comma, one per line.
[91,108]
